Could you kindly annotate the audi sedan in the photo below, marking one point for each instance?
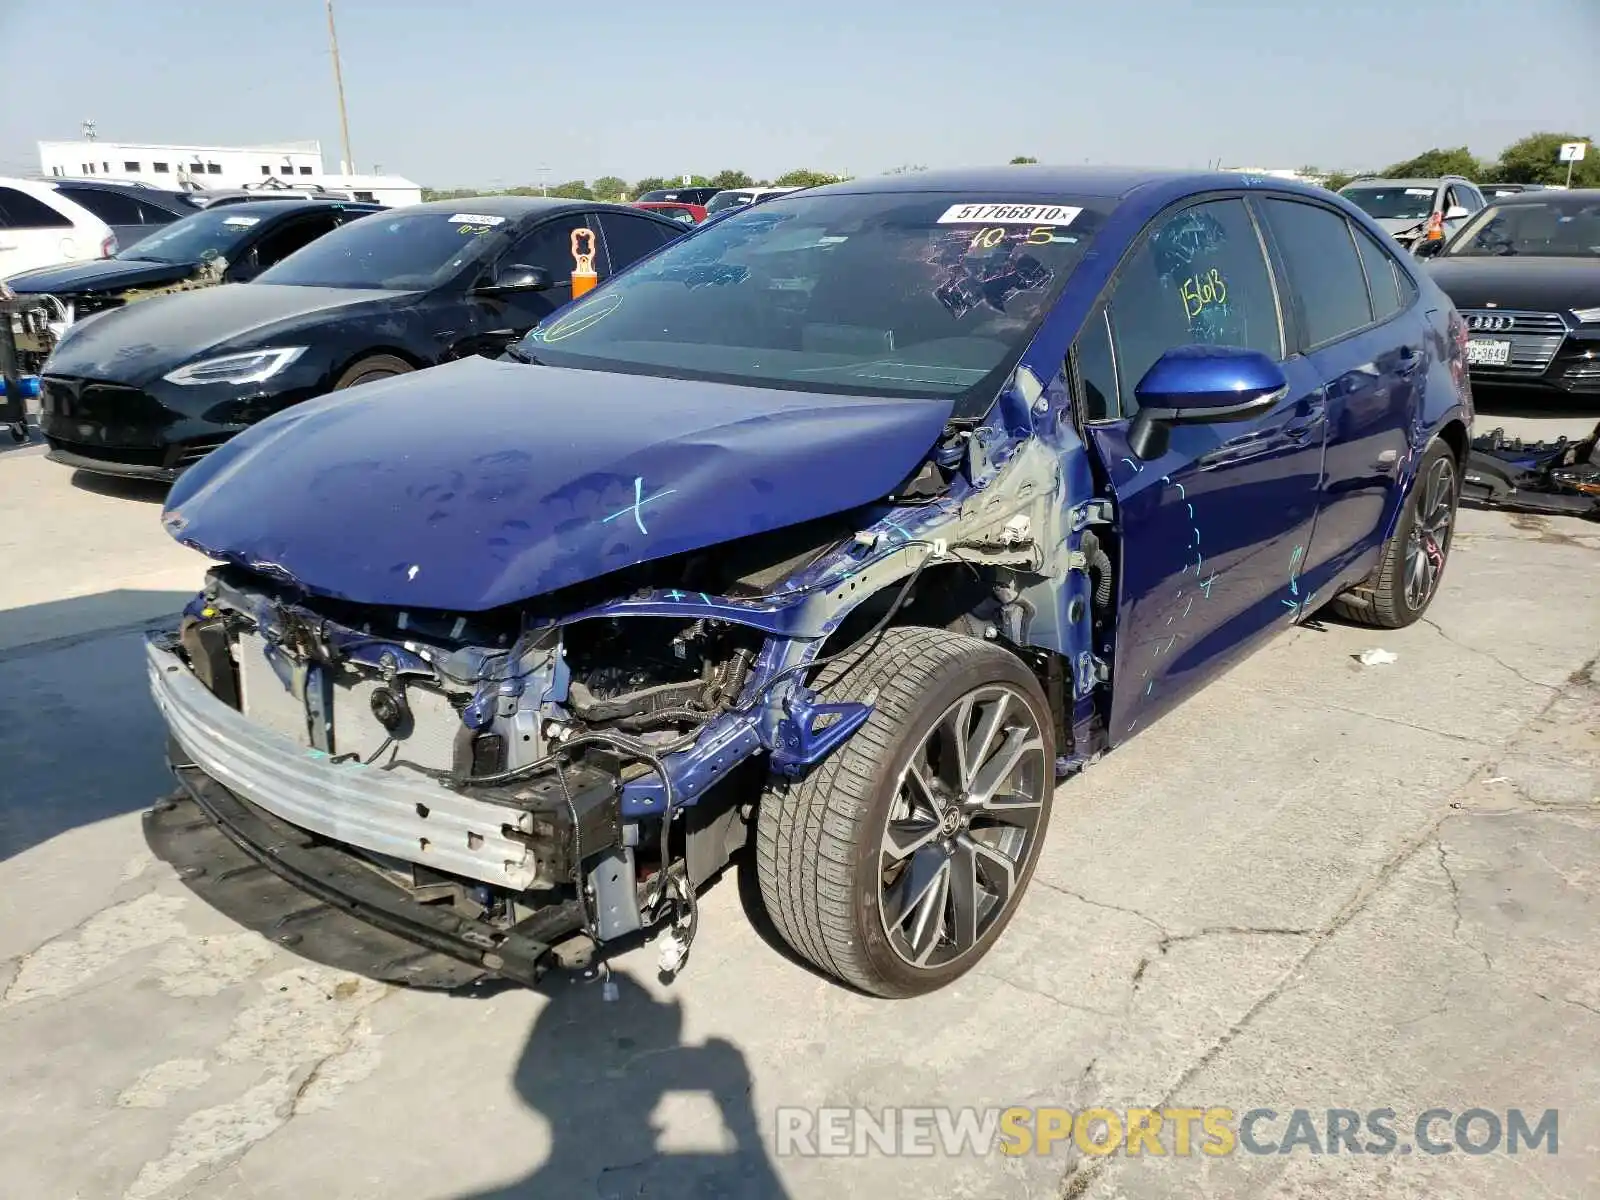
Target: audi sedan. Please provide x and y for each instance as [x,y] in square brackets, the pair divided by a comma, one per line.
[1525,274]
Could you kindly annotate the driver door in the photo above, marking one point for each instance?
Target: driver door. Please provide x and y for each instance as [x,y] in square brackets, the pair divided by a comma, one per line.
[1214,530]
[500,320]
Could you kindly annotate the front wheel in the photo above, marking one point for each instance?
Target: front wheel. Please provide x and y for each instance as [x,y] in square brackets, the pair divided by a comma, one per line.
[1406,579]
[368,370]
[895,864]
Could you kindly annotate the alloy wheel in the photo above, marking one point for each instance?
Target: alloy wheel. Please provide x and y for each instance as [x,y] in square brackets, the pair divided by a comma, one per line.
[1429,540]
[961,829]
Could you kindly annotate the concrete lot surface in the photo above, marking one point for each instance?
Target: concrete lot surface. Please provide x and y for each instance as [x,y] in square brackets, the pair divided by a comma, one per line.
[1317,885]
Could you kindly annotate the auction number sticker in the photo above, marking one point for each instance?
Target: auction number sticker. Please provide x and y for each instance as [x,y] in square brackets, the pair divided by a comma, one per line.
[1058,215]
[475,219]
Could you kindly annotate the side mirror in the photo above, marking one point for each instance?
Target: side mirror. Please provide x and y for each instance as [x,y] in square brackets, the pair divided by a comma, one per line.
[517,277]
[1456,212]
[1202,385]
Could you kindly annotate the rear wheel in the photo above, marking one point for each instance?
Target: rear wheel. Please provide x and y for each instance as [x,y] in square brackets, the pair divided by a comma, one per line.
[895,864]
[379,366]
[1407,577]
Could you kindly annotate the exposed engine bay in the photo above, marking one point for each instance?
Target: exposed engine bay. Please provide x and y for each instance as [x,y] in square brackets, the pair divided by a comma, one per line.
[41,325]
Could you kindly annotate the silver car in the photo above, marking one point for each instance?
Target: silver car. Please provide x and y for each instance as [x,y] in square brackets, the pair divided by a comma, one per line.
[1405,206]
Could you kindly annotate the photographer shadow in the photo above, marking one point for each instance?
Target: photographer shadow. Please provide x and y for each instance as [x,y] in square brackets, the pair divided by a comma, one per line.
[632,1110]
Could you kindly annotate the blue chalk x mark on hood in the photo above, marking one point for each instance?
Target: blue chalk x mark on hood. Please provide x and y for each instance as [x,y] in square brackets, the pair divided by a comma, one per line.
[480,483]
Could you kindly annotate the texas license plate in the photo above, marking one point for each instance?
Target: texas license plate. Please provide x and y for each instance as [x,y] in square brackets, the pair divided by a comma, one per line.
[1486,352]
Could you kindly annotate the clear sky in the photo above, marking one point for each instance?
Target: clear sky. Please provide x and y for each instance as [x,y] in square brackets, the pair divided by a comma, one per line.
[485,92]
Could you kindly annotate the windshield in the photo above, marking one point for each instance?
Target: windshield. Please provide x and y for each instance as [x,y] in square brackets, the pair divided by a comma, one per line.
[724,200]
[1553,230]
[209,234]
[405,252]
[1392,203]
[915,294]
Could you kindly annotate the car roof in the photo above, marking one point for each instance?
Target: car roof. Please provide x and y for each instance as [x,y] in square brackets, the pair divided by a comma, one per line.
[1388,181]
[1036,181]
[269,207]
[513,207]
[1560,197]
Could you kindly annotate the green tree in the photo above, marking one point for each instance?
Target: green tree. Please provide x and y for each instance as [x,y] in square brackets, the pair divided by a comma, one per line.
[608,187]
[1022,158]
[650,183]
[573,189]
[804,177]
[731,179]
[1430,164]
[905,169]
[1335,180]
[1533,160]
[449,193]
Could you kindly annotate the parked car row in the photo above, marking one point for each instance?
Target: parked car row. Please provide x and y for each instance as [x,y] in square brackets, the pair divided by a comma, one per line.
[323,296]
[841,526]
[690,206]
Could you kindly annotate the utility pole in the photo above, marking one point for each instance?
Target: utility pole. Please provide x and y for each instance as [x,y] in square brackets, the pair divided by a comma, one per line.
[338,83]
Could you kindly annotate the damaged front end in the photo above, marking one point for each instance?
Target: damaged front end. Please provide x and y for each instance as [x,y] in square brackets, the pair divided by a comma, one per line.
[50,315]
[491,783]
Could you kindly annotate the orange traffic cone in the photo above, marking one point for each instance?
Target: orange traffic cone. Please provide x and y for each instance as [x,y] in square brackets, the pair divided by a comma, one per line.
[583,274]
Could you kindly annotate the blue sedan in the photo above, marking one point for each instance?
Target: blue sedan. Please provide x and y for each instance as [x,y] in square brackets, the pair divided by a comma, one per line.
[843,528]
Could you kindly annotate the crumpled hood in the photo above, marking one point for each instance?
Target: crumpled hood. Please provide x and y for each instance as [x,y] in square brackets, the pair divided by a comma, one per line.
[479,483]
[98,275]
[1394,226]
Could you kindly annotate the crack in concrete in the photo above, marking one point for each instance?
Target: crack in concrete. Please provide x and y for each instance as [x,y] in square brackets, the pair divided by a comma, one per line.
[1455,902]
[1082,899]
[1043,995]
[1494,658]
[1077,1182]
[1588,1008]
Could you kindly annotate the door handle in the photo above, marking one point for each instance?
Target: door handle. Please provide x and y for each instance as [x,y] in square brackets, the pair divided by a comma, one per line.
[1301,428]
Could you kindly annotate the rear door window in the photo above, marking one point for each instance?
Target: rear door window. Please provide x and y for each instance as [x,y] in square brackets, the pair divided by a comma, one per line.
[629,239]
[1381,281]
[1326,284]
[111,207]
[293,235]
[1199,277]
[18,210]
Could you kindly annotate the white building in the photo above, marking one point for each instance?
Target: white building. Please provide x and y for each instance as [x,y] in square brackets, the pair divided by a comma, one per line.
[212,168]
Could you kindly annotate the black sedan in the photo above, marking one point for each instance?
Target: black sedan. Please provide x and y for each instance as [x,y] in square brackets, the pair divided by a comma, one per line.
[150,388]
[228,245]
[1525,273]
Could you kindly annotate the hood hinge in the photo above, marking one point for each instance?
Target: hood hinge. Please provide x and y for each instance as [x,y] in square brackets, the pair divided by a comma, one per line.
[1090,512]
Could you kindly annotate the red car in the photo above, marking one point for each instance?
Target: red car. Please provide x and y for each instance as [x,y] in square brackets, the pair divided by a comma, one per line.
[688,214]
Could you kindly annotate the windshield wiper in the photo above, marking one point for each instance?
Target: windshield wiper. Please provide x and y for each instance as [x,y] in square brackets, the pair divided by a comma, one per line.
[522,356]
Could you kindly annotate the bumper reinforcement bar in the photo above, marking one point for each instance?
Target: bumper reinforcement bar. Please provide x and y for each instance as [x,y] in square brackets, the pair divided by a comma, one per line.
[333,876]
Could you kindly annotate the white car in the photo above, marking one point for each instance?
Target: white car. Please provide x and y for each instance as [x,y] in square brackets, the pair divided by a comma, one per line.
[39,227]
[734,197]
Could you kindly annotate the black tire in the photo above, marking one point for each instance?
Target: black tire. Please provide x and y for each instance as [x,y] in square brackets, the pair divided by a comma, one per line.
[378,366]
[820,840]
[1387,598]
